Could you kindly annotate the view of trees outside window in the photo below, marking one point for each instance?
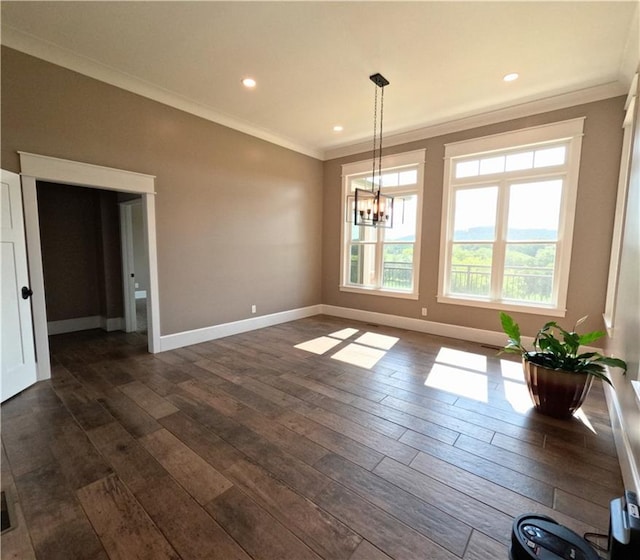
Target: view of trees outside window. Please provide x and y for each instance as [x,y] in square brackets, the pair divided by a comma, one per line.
[397,245]
[383,257]
[530,232]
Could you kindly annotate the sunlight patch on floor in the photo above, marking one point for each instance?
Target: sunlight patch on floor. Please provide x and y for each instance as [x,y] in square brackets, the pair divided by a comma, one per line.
[358,355]
[515,387]
[381,341]
[512,370]
[364,352]
[517,396]
[580,415]
[344,333]
[458,358]
[461,382]
[318,345]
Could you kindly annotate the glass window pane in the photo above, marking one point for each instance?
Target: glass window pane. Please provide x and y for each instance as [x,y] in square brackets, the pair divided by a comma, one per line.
[528,272]
[492,165]
[363,233]
[362,269]
[522,160]
[534,211]
[471,269]
[361,183]
[409,177]
[475,214]
[550,156]
[467,169]
[390,179]
[405,213]
[397,266]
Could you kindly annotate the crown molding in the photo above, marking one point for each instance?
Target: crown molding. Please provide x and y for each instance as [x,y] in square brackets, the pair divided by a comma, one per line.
[55,54]
[501,114]
[60,56]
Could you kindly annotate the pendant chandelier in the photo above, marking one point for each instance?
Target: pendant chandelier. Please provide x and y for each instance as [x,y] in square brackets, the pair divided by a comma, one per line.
[372,208]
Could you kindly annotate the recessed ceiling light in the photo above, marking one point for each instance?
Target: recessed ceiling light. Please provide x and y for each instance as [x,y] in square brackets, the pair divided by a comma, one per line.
[249,83]
[338,128]
[511,77]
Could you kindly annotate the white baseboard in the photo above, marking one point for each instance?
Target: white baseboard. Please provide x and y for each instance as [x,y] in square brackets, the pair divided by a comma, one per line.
[628,467]
[73,325]
[85,324]
[112,323]
[140,294]
[197,336]
[481,336]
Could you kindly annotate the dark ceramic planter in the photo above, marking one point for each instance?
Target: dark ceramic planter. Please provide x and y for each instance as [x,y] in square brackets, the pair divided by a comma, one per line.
[554,392]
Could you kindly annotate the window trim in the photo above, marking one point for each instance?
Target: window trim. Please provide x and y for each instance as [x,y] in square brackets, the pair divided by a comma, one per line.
[570,130]
[628,126]
[414,158]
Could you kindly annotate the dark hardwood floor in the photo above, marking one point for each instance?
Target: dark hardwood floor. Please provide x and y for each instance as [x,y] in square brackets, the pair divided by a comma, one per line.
[248,447]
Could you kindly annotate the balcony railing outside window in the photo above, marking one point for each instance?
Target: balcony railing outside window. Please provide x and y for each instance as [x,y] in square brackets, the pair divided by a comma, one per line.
[397,275]
[533,284]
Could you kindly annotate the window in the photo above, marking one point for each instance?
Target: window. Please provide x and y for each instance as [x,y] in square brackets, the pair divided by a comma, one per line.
[379,260]
[507,222]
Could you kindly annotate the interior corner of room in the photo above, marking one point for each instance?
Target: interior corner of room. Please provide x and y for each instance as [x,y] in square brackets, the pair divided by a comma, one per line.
[176,224]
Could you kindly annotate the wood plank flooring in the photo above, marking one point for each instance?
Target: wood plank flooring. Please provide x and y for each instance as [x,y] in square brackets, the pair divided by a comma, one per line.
[250,448]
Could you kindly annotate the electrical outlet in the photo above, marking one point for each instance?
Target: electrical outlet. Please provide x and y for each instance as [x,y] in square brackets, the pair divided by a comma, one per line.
[424,311]
[253,308]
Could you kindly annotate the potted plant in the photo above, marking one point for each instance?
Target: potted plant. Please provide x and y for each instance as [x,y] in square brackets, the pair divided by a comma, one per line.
[557,376]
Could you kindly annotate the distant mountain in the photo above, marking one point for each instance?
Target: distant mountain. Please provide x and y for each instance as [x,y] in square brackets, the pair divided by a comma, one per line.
[486,234]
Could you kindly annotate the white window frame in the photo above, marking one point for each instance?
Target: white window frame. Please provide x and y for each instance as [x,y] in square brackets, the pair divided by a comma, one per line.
[621,205]
[570,131]
[396,161]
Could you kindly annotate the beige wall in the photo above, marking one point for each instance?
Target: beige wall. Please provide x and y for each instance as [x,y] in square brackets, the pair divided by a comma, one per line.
[626,338]
[592,237]
[238,219]
[69,251]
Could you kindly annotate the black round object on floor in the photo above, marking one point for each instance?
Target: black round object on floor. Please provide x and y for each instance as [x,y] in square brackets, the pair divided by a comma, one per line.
[540,537]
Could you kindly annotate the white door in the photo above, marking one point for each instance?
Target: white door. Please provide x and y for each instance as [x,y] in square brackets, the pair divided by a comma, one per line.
[16,328]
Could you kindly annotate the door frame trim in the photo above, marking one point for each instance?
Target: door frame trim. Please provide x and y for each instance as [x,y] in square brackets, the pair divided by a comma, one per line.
[128,267]
[35,167]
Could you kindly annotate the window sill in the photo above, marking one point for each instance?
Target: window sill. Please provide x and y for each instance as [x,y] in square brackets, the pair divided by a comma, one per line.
[502,306]
[379,292]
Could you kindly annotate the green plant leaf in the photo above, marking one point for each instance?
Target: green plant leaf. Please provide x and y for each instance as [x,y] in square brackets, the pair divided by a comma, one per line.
[588,355]
[588,338]
[612,362]
[557,349]
[602,376]
[511,328]
[571,340]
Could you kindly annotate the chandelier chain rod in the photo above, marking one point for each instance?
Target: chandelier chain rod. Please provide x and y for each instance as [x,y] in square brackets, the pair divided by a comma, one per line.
[380,142]
[375,131]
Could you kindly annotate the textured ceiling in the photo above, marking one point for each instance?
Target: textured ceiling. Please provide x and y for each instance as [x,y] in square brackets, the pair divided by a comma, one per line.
[445,60]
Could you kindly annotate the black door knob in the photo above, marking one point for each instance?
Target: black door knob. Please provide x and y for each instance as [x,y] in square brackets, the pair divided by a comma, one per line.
[26,292]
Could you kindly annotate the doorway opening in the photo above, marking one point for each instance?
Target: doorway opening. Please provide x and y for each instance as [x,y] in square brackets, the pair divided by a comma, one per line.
[36,168]
[81,244]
